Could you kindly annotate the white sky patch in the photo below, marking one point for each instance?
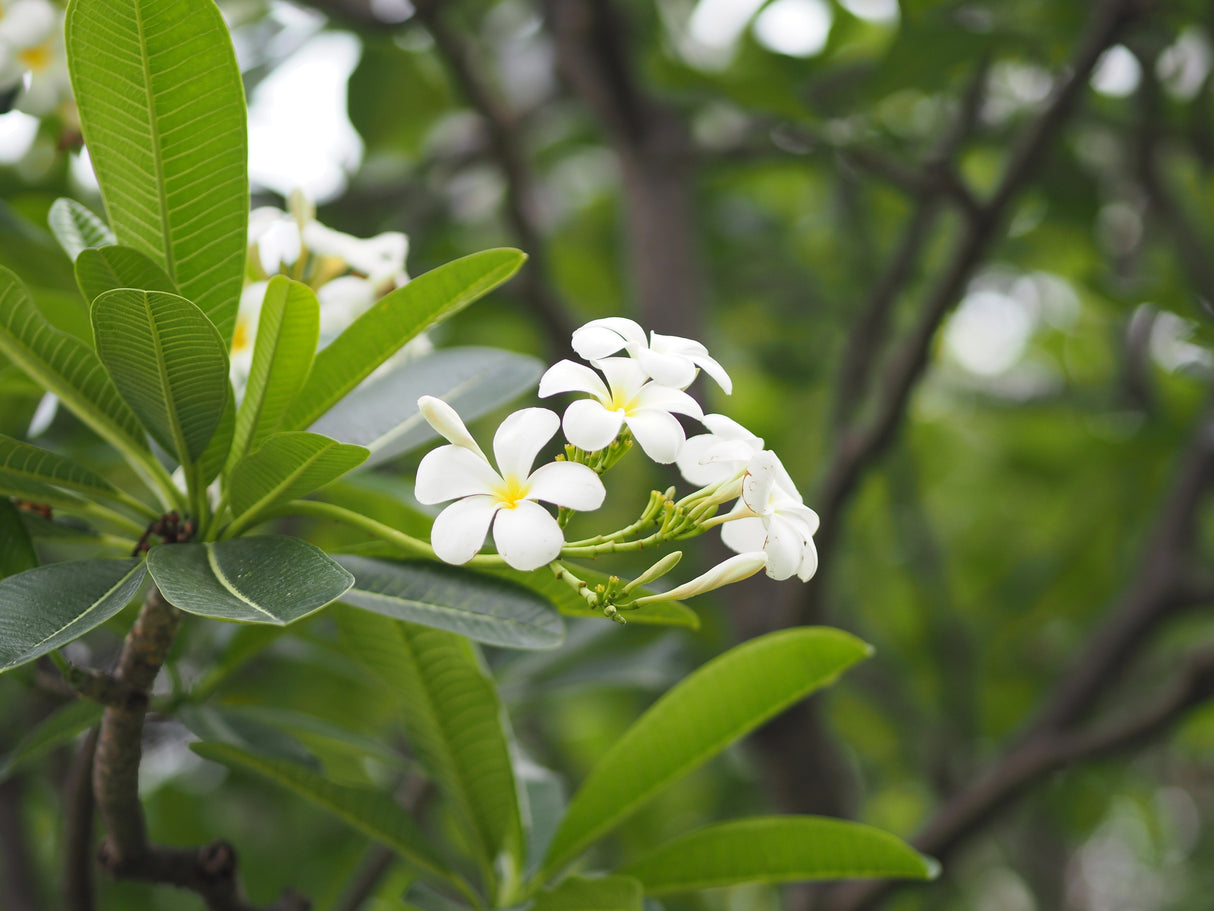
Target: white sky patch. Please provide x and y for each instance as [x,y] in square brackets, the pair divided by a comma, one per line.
[1117,72]
[17,131]
[990,332]
[300,136]
[798,28]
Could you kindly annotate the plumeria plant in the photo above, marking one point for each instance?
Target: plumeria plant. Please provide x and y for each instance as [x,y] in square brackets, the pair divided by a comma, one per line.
[237,366]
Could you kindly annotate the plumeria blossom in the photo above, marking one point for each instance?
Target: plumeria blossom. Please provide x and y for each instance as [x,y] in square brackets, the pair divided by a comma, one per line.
[31,51]
[626,399]
[771,516]
[716,456]
[668,359]
[505,498]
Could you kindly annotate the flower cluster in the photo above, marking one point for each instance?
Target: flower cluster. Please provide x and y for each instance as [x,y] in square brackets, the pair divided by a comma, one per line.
[631,389]
[347,273]
[33,64]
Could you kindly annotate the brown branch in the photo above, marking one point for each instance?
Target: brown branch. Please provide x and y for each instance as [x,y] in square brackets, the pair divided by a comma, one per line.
[858,451]
[1030,762]
[502,125]
[78,827]
[210,871]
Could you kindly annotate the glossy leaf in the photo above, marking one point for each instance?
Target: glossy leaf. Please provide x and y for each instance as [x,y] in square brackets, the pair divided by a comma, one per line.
[169,364]
[162,109]
[77,228]
[492,611]
[64,365]
[366,810]
[47,607]
[16,547]
[267,579]
[288,466]
[287,332]
[106,268]
[21,460]
[215,456]
[382,414]
[777,849]
[453,718]
[393,321]
[592,893]
[62,726]
[708,710]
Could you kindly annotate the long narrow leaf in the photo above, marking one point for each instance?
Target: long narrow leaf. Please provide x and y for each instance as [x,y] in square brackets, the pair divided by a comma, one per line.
[366,810]
[385,328]
[106,268]
[21,460]
[169,364]
[592,893]
[47,607]
[492,611]
[162,109]
[266,579]
[16,547]
[62,726]
[777,849]
[453,718]
[287,332]
[710,709]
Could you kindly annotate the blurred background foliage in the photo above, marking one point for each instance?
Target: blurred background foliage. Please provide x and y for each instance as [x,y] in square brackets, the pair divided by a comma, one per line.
[958,257]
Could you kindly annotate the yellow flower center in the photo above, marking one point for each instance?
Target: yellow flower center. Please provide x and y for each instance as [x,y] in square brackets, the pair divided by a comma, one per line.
[36,58]
[241,338]
[620,403]
[512,492]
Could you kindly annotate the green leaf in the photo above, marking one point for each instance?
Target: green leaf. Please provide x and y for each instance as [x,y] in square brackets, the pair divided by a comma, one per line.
[37,492]
[216,724]
[16,547]
[215,456]
[366,810]
[708,710]
[453,718]
[64,365]
[47,607]
[270,579]
[592,893]
[60,727]
[394,320]
[21,460]
[169,364]
[106,268]
[77,228]
[777,849]
[492,611]
[287,332]
[287,466]
[162,109]
[382,414]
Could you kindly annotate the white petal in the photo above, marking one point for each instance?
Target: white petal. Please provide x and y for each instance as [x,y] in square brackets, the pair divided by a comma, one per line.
[624,376]
[735,569]
[443,418]
[567,484]
[520,438]
[460,529]
[714,370]
[660,435]
[567,376]
[27,23]
[527,536]
[590,426]
[696,463]
[342,301]
[744,535]
[261,220]
[594,340]
[784,548]
[762,473]
[453,471]
[667,369]
[809,562]
[664,398]
[729,429]
[279,244]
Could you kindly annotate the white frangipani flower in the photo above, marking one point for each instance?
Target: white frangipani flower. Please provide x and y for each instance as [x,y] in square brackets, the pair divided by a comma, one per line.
[647,408]
[526,534]
[669,359]
[735,569]
[772,517]
[716,456]
[31,42]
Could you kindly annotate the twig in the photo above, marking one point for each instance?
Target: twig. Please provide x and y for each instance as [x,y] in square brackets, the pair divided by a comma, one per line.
[210,870]
[78,829]
[375,866]
[502,126]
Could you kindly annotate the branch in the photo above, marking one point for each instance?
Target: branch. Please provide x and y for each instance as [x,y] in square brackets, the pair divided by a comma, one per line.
[1027,764]
[543,298]
[78,828]
[210,871]
[858,451]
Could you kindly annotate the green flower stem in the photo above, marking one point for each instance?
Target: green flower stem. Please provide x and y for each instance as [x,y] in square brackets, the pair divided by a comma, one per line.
[657,499]
[398,539]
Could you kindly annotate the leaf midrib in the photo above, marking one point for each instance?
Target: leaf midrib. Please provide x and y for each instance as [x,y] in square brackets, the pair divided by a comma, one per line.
[156,151]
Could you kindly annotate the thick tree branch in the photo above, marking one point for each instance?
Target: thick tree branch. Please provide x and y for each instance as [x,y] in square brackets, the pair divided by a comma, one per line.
[210,871]
[545,302]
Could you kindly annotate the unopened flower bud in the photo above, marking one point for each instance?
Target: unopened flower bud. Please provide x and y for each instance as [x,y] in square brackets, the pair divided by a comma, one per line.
[659,569]
[735,569]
